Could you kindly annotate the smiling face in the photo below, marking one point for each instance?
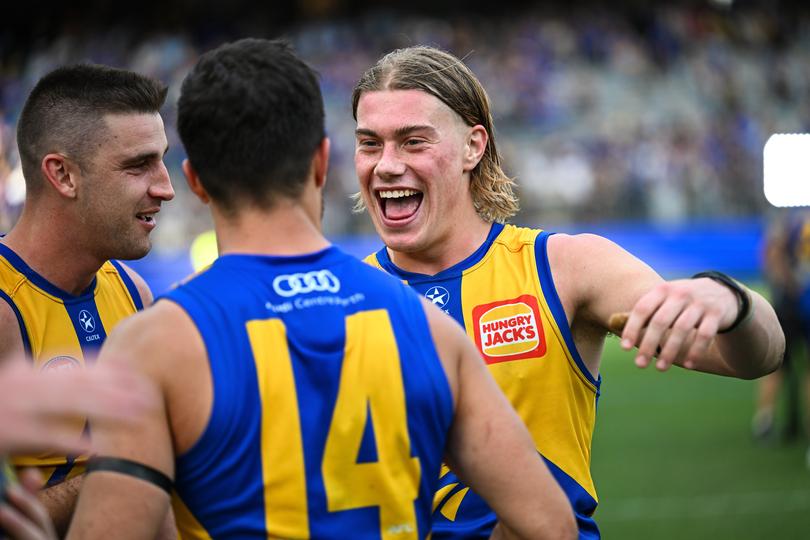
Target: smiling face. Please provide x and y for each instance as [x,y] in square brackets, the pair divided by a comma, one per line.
[413,160]
[124,184]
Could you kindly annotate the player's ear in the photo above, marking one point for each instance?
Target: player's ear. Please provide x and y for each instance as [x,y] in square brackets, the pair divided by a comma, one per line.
[193,180]
[61,173]
[475,147]
[320,162]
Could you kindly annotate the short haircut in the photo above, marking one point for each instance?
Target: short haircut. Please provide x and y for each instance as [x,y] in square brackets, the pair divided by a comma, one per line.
[447,78]
[251,117]
[65,112]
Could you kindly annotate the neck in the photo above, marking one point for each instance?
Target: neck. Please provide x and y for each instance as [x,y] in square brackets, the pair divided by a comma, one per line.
[52,249]
[285,229]
[447,251]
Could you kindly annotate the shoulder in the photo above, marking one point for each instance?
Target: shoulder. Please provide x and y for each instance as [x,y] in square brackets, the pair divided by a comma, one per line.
[140,284]
[153,336]
[587,267]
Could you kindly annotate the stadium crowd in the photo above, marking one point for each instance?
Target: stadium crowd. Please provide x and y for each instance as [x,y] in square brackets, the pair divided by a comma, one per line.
[602,115]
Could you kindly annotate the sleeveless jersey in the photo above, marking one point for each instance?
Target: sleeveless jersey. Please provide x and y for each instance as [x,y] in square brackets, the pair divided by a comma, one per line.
[330,403]
[63,331]
[504,297]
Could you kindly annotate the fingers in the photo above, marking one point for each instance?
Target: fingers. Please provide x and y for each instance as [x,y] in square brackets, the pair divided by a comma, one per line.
[30,478]
[674,322]
[706,332]
[41,410]
[637,324]
[23,517]
[103,393]
[678,335]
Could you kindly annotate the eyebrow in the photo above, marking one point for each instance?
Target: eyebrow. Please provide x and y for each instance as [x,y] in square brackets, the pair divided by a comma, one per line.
[399,132]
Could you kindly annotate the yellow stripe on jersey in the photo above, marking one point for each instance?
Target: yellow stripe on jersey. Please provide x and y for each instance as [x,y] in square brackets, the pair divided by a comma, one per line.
[372,383]
[285,485]
[188,528]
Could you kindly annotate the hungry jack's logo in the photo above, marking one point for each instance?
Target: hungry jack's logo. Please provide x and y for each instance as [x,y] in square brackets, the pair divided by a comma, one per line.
[509,330]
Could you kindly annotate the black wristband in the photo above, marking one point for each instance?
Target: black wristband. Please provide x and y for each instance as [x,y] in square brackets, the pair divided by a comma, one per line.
[130,468]
[743,296]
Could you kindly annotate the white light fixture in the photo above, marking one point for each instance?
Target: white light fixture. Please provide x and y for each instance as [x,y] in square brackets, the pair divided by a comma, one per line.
[786,160]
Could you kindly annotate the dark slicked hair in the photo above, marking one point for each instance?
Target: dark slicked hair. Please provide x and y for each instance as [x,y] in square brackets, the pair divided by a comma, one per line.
[65,112]
[251,116]
[445,77]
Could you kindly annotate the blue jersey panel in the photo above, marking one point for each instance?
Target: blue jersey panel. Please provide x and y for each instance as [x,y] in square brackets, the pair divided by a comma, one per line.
[220,480]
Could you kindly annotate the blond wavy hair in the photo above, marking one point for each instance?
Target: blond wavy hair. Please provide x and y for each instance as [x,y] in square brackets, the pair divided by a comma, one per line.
[444,76]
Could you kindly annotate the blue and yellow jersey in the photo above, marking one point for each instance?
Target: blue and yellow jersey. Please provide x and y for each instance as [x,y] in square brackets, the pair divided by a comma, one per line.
[798,245]
[63,331]
[504,297]
[330,404]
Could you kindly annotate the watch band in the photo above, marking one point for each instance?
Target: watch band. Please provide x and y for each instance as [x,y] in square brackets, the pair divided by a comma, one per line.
[743,296]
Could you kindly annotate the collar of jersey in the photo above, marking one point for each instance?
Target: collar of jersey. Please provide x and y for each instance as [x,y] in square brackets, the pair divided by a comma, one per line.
[35,278]
[451,272]
[327,256]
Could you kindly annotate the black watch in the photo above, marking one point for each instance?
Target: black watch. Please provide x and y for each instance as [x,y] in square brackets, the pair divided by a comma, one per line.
[739,290]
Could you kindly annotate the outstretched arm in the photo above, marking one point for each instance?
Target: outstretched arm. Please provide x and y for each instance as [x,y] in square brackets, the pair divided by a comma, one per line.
[683,319]
[490,449]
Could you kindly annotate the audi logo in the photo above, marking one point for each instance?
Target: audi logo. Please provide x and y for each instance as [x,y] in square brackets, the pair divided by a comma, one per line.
[320,280]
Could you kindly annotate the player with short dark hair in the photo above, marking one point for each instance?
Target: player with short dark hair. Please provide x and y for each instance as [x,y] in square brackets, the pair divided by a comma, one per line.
[537,305]
[306,394]
[92,142]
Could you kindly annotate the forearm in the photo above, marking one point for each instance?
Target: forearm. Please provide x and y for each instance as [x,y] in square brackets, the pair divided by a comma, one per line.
[757,346]
[60,501]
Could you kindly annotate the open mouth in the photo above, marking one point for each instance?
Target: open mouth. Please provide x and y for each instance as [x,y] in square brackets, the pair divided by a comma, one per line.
[399,204]
[146,218]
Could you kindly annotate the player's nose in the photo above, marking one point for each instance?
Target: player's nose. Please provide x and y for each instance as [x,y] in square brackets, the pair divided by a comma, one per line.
[161,187]
[390,163]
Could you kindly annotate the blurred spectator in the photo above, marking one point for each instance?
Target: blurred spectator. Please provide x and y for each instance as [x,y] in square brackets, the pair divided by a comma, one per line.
[787,261]
[658,113]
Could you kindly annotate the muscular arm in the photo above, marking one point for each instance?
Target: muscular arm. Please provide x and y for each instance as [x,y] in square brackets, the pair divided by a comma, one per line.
[110,501]
[152,342]
[490,449]
[597,278]
[60,502]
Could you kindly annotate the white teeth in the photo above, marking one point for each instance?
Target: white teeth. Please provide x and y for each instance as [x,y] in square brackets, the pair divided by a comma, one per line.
[397,193]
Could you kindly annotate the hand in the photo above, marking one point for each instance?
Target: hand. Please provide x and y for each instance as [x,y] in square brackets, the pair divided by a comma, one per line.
[677,321]
[38,410]
[22,516]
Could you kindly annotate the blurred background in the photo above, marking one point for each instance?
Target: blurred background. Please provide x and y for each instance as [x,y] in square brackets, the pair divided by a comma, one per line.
[644,122]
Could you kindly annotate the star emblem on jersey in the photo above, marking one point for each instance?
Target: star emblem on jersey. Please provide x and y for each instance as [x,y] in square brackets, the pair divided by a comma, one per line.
[87,321]
[438,295]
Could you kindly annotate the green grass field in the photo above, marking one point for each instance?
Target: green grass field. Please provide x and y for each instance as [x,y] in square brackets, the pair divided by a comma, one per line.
[673,459]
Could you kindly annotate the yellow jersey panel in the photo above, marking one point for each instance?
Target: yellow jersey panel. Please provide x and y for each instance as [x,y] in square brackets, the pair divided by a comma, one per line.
[504,297]
[63,331]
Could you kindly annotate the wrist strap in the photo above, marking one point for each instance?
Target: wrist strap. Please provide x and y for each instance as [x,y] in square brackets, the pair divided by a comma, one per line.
[130,468]
[743,296]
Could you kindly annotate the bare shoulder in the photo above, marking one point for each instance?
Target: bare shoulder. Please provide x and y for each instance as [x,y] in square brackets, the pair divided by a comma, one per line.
[577,262]
[140,284]
[576,250]
[11,340]
[595,276]
[152,336]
